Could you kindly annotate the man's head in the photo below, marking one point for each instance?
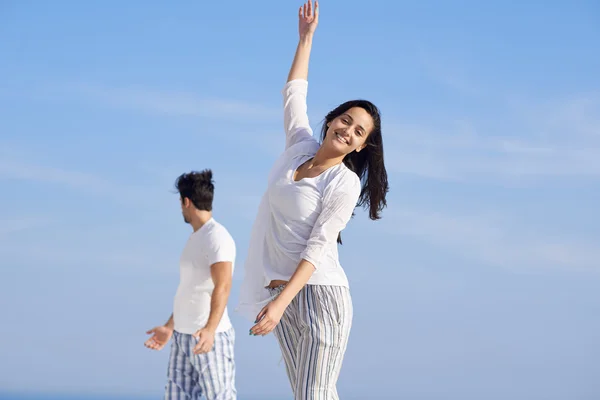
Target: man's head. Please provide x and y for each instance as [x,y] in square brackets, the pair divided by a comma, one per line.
[196,190]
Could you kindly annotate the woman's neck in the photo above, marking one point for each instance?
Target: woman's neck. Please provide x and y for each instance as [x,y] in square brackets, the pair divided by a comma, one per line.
[325,160]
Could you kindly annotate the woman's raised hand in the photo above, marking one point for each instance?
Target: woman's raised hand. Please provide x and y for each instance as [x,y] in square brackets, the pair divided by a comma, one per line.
[308,18]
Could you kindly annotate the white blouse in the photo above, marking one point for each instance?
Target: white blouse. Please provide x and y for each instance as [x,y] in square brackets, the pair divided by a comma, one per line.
[297,219]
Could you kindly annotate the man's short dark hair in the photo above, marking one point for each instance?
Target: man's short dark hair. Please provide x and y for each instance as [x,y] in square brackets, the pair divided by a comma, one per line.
[198,187]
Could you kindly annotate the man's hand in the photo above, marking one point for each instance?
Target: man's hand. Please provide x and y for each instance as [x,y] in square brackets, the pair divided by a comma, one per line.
[161,336]
[206,340]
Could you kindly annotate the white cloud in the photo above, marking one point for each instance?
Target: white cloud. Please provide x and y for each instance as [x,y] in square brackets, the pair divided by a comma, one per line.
[577,116]
[543,141]
[450,74]
[10,226]
[561,139]
[11,169]
[496,240]
[72,246]
[172,103]
[516,137]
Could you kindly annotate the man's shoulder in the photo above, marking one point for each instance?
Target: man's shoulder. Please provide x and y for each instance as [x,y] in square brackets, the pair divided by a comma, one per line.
[218,233]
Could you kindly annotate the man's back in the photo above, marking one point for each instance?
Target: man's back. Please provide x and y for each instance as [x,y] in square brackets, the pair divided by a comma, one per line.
[209,245]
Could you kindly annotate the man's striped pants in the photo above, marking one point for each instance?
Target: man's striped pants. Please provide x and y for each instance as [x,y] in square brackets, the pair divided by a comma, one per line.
[209,375]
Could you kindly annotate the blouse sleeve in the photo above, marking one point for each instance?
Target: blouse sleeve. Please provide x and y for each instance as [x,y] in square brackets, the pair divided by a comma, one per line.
[339,202]
[295,117]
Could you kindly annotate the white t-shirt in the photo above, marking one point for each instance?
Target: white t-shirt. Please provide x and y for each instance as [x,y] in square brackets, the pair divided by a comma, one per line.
[210,244]
[298,220]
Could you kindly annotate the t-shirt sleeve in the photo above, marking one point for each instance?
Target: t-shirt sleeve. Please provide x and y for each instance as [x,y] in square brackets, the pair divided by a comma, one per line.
[221,249]
[339,202]
[295,116]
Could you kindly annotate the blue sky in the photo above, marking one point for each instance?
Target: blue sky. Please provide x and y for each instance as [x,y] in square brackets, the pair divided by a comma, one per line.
[481,280]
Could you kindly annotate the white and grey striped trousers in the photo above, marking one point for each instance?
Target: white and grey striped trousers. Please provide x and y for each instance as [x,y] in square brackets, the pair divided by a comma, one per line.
[313,335]
[210,375]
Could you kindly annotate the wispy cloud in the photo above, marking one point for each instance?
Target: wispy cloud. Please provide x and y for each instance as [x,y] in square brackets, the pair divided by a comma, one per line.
[82,181]
[536,141]
[11,169]
[450,74]
[541,140]
[12,225]
[236,192]
[510,136]
[68,246]
[171,103]
[496,240]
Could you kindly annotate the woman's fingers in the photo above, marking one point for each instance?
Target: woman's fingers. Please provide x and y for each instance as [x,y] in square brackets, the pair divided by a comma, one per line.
[258,327]
[265,329]
[265,326]
[261,314]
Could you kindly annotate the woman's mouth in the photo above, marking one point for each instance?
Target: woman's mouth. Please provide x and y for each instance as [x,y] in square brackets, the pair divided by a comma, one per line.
[341,139]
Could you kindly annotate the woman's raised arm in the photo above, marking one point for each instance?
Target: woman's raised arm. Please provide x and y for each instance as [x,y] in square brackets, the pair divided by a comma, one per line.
[308,19]
[295,117]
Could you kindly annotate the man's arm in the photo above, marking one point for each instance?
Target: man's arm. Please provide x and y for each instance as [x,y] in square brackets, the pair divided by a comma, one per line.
[221,275]
[170,323]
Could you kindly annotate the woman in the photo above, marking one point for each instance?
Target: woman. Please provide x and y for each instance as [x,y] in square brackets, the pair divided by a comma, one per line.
[312,191]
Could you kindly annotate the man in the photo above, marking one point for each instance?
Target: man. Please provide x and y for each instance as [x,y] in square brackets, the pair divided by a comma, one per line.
[201,362]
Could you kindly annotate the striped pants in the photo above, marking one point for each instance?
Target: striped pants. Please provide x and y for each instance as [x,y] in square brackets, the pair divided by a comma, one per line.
[313,334]
[191,376]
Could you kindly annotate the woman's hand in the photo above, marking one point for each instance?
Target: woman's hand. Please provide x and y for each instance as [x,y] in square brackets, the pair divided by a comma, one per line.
[308,19]
[268,318]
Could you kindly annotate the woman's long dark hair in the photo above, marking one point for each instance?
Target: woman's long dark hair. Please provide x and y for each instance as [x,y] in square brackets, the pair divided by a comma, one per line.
[368,163]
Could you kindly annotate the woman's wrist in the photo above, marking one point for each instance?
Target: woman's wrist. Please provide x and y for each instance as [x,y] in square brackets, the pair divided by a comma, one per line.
[282,300]
[307,38]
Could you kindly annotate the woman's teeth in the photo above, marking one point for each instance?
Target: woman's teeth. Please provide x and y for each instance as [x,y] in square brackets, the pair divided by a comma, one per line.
[341,139]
